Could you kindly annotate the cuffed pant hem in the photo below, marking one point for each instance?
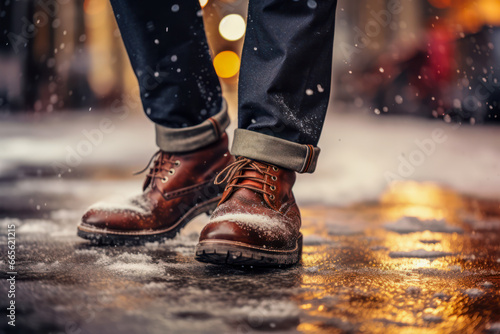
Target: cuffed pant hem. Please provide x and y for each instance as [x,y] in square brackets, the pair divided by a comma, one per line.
[193,137]
[276,151]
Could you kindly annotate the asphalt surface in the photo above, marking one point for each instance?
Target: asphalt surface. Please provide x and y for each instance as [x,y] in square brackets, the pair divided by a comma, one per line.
[417,257]
[365,268]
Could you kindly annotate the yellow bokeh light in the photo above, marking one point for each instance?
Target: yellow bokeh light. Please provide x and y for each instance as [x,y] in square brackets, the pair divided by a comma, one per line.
[203,3]
[232,27]
[227,64]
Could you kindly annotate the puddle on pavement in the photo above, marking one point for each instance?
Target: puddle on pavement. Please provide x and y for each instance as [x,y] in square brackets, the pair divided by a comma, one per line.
[440,282]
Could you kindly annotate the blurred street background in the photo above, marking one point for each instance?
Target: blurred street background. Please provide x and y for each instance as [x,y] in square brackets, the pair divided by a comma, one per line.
[401,219]
[434,58]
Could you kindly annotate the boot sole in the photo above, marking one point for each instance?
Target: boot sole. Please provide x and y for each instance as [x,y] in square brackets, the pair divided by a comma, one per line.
[239,254]
[132,238]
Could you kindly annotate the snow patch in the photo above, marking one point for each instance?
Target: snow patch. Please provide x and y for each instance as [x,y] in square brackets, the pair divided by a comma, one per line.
[37,226]
[125,258]
[136,269]
[44,267]
[9,221]
[131,264]
[442,296]
[413,290]
[180,240]
[474,293]
[431,241]
[487,285]
[88,252]
[135,203]
[152,245]
[312,270]
[455,268]
[134,258]
[432,318]
[419,253]
[184,250]
[315,240]
[493,328]
[343,230]
[154,286]
[378,247]
[269,314]
[485,225]
[414,224]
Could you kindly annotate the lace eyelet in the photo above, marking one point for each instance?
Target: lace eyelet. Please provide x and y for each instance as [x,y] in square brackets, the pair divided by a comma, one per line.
[171,171]
[273,188]
[164,180]
[177,162]
[271,197]
[274,178]
[275,168]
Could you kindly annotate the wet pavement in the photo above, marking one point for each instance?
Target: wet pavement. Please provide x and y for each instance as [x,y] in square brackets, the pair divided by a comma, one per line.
[418,257]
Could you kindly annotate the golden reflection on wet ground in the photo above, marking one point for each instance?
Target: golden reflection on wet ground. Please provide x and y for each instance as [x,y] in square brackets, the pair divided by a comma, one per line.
[369,279]
[365,269]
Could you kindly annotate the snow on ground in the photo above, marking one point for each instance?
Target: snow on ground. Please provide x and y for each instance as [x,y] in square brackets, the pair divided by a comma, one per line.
[131,265]
[441,295]
[268,314]
[414,224]
[54,228]
[419,253]
[316,240]
[432,318]
[36,226]
[430,241]
[42,267]
[493,328]
[474,293]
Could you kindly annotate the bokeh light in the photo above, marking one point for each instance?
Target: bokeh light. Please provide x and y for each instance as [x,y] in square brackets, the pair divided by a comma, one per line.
[227,64]
[203,3]
[232,27]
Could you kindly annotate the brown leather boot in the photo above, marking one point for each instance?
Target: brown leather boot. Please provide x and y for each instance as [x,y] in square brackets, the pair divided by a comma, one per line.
[257,221]
[178,188]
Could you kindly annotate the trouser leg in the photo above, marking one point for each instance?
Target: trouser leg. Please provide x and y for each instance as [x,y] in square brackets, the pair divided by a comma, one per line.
[180,91]
[285,81]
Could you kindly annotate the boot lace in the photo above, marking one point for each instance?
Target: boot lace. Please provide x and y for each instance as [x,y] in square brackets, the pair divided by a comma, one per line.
[234,173]
[162,162]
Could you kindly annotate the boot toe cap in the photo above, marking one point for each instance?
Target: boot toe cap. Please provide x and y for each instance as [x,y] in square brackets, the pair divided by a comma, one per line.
[114,220]
[237,232]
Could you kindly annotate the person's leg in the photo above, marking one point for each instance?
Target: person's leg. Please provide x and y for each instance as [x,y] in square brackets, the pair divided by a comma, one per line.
[283,97]
[168,50]
[285,80]
[180,92]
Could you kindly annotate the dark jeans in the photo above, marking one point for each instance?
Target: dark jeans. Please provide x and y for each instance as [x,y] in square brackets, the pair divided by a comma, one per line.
[285,75]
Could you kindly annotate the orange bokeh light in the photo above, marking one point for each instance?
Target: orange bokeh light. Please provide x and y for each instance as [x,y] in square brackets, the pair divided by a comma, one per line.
[227,64]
